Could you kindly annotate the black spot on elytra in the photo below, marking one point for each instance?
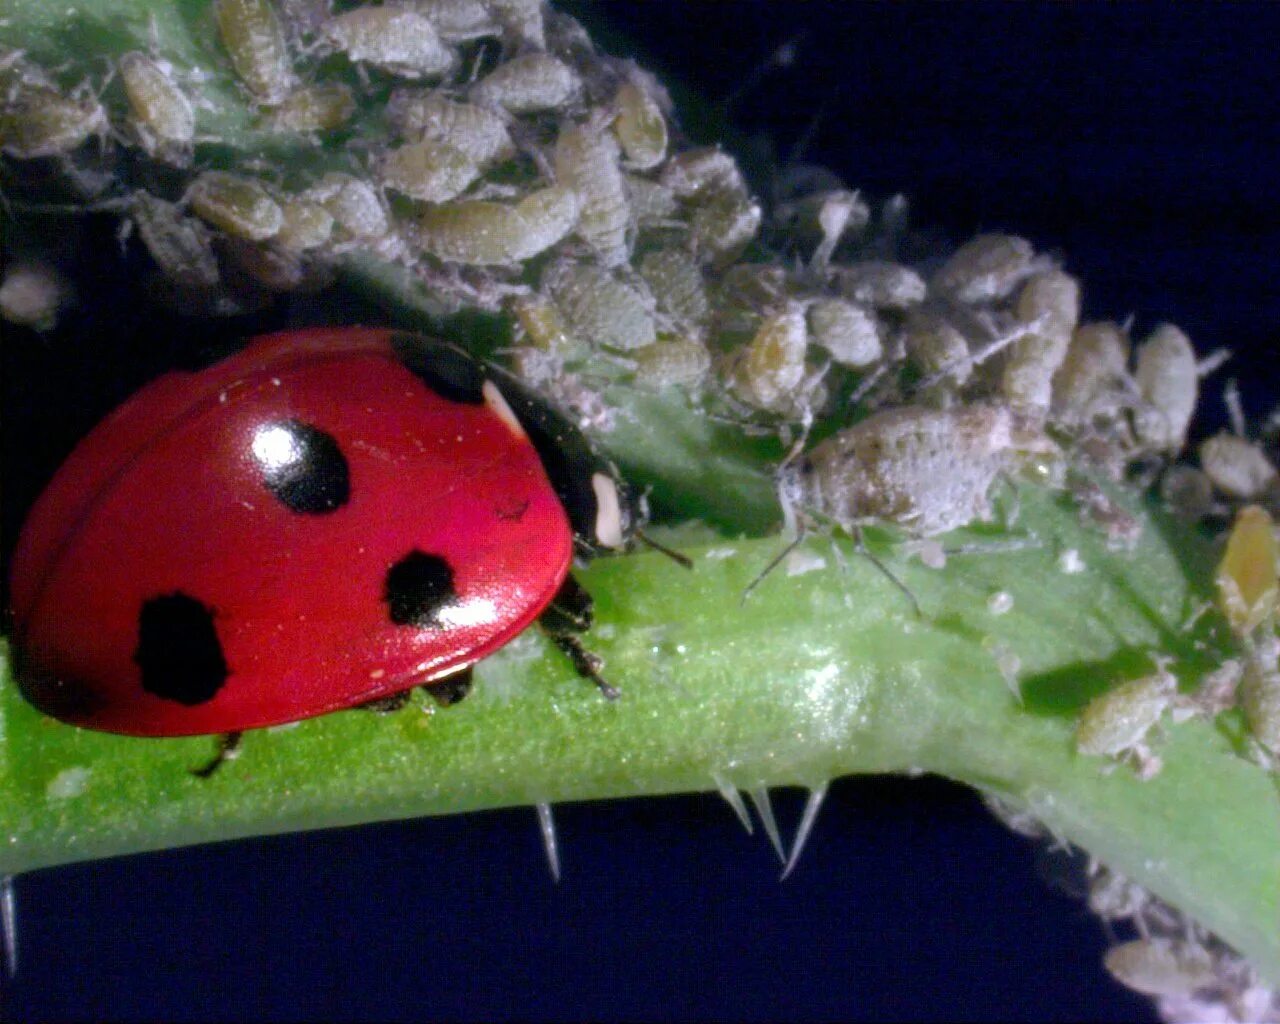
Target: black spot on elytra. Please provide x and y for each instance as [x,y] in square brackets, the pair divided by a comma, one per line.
[178,650]
[302,466]
[417,588]
[448,371]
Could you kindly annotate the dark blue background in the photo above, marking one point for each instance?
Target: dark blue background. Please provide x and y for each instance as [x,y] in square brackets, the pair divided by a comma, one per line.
[1142,142]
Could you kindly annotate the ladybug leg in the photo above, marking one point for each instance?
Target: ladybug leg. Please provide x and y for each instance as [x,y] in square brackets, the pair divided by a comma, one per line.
[228,750]
[450,689]
[387,705]
[570,614]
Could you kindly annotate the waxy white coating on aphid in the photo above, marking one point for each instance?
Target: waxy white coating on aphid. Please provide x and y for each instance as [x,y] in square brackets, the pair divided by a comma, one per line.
[306,225]
[430,171]
[1260,695]
[879,284]
[1159,966]
[1116,723]
[1168,380]
[1049,303]
[162,116]
[1238,468]
[651,202]
[934,344]
[1248,577]
[600,308]
[769,370]
[586,160]
[849,332]
[478,132]
[926,470]
[701,172]
[985,269]
[180,245]
[640,127]
[251,34]
[354,204]
[39,121]
[677,286]
[31,295]
[724,225]
[313,108]
[240,206]
[680,362]
[394,39]
[484,233]
[1089,380]
[458,21]
[522,23]
[528,84]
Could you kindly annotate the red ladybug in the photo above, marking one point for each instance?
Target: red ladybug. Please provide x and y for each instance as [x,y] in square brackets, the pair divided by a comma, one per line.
[326,519]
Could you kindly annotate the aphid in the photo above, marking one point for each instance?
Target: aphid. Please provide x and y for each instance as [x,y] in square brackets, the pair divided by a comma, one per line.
[41,122]
[542,323]
[31,295]
[1246,578]
[822,218]
[458,21]
[1160,966]
[985,269]
[879,284]
[926,470]
[478,132]
[850,333]
[271,266]
[395,39]
[355,205]
[681,362]
[677,285]
[640,126]
[240,206]
[313,108]
[1187,492]
[1115,724]
[936,346]
[162,117]
[769,371]
[1260,695]
[1088,383]
[586,160]
[431,171]
[701,172]
[1167,379]
[485,233]
[651,202]
[599,307]
[251,34]
[180,245]
[723,226]
[522,23]
[528,84]
[1050,303]
[1237,468]
[305,224]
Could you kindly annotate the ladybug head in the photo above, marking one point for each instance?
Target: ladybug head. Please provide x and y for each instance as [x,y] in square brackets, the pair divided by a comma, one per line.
[607,520]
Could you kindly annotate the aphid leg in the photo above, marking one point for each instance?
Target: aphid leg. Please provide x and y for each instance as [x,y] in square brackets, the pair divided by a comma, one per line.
[547,826]
[451,689]
[773,564]
[9,926]
[764,807]
[568,615]
[671,553]
[228,750]
[860,543]
[386,705]
[811,807]
[733,798]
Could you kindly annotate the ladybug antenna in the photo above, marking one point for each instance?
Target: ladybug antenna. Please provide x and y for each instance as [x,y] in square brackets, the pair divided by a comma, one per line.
[671,553]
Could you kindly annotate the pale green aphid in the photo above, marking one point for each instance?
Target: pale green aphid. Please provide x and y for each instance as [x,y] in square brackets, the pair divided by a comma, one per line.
[1115,724]
[306,224]
[431,171]
[985,269]
[587,160]
[768,372]
[1049,302]
[254,40]
[678,287]
[397,40]
[162,116]
[1160,966]
[849,332]
[528,84]
[313,108]
[681,362]
[640,127]
[1169,383]
[478,132]
[354,204]
[485,233]
[600,307]
[240,206]
[41,122]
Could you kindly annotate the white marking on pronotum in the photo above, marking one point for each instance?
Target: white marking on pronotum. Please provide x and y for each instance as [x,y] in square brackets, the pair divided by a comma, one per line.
[734,799]
[760,797]
[9,925]
[810,815]
[499,407]
[547,825]
[608,511]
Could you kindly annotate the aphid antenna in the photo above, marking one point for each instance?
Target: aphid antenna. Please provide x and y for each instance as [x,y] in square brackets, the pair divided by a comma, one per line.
[781,56]
[1213,362]
[993,347]
[1235,407]
[671,553]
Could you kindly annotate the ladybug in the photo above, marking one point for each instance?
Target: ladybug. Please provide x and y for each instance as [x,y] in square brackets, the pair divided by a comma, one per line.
[325,519]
